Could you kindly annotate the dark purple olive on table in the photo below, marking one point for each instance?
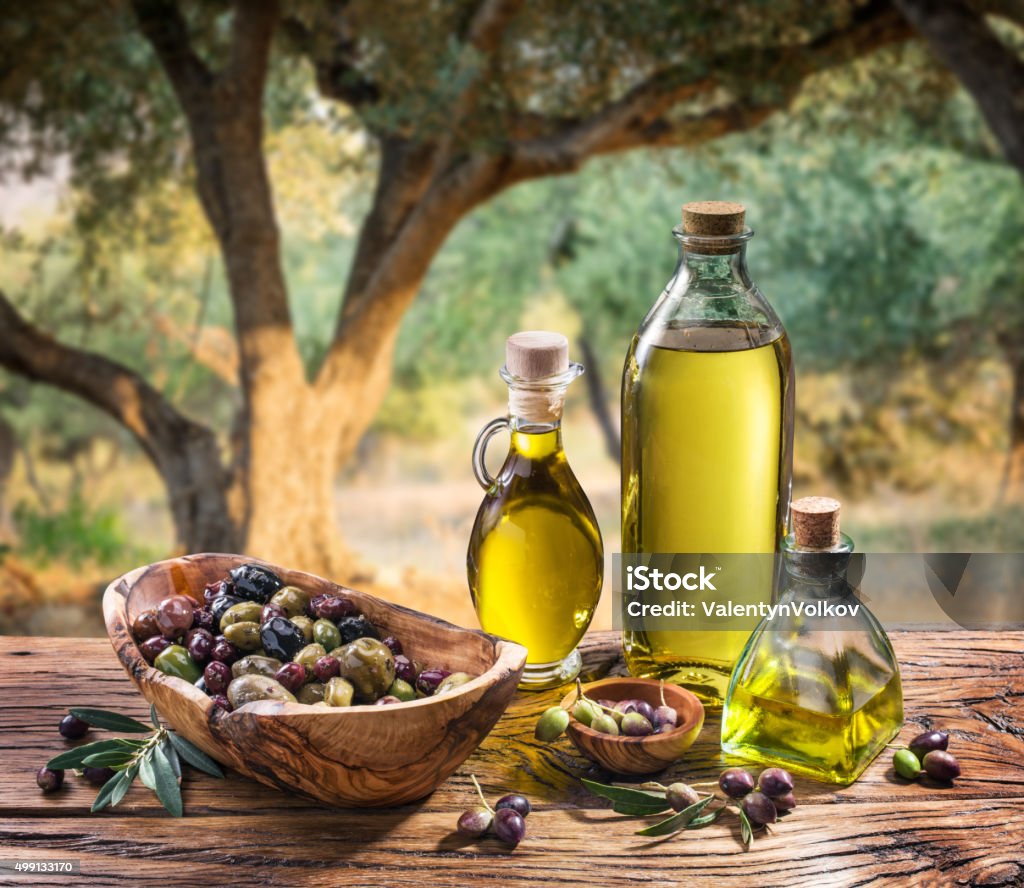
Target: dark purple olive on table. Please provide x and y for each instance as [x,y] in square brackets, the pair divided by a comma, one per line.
[665,716]
[404,669]
[145,626]
[929,741]
[221,604]
[786,802]
[174,615]
[97,776]
[281,638]
[428,680]
[253,582]
[775,782]
[49,780]
[635,725]
[202,618]
[940,765]
[291,676]
[224,651]
[386,700]
[199,643]
[326,668]
[271,610]
[221,701]
[474,824]
[151,648]
[218,676]
[332,607]
[760,809]
[509,826]
[519,804]
[73,728]
[352,628]
[393,645]
[736,782]
[680,796]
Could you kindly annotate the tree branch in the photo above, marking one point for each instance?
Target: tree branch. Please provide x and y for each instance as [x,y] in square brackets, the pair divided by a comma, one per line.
[988,69]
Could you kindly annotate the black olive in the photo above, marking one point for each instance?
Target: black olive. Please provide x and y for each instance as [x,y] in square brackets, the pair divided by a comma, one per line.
[220,604]
[281,638]
[352,628]
[255,582]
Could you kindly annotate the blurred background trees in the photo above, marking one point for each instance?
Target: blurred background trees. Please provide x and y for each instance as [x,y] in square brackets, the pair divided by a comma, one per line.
[391,258]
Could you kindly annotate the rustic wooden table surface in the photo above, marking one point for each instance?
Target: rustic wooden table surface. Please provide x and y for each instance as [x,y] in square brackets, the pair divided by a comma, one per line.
[236,832]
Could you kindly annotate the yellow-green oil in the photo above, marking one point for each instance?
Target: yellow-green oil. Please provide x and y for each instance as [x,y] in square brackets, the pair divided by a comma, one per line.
[535,558]
[704,454]
[823,705]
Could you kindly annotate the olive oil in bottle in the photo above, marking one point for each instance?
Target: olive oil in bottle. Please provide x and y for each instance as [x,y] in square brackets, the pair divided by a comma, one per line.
[818,697]
[535,560]
[707,419]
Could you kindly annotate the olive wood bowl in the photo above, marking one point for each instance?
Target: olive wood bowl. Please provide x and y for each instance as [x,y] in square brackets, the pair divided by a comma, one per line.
[356,756]
[637,755]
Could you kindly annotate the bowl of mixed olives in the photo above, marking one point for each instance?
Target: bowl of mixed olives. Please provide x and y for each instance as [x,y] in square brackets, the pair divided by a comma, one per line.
[633,725]
[306,685]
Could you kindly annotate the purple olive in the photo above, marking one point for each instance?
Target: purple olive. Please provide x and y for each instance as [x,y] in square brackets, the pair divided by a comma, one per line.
[174,615]
[929,741]
[326,668]
[291,676]
[217,676]
[216,589]
[665,715]
[386,700]
[202,618]
[473,824]
[404,669]
[97,776]
[144,625]
[775,782]
[393,645]
[786,802]
[642,706]
[759,809]
[635,725]
[73,728]
[224,651]
[940,765]
[428,680]
[518,803]
[49,780]
[509,826]
[271,610]
[221,701]
[330,607]
[152,647]
[736,782]
[680,796]
[199,643]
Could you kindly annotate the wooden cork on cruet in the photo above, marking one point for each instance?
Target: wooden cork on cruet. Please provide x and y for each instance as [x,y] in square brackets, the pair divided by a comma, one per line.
[712,219]
[816,522]
[533,356]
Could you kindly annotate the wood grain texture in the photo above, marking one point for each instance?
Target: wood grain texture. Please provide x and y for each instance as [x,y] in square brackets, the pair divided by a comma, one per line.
[879,831]
[358,755]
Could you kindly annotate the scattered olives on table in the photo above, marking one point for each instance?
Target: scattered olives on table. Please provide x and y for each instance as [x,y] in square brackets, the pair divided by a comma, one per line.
[926,754]
[506,820]
[250,637]
[73,728]
[49,779]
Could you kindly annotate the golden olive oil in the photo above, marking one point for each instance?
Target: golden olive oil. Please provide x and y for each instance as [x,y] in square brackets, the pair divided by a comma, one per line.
[535,556]
[705,470]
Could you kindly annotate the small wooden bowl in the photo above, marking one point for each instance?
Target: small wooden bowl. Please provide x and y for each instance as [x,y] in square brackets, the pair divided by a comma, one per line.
[356,756]
[637,755]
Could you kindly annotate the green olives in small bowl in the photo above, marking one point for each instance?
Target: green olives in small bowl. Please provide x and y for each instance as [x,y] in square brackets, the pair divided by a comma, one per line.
[284,731]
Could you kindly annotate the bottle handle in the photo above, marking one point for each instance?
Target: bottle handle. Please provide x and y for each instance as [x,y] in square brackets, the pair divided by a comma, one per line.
[480,450]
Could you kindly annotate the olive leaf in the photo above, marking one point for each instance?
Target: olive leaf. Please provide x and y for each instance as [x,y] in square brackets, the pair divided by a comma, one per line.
[746,830]
[705,819]
[166,788]
[106,793]
[146,774]
[114,758]
[623,794]
[677,821]
[194,755]
[172,758]
[641,810]
[111,721]
[153,715]
[75,758]
[119,792]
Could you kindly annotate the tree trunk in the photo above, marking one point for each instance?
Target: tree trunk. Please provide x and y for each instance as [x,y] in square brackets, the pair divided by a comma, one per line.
[1012,487]
[599,400]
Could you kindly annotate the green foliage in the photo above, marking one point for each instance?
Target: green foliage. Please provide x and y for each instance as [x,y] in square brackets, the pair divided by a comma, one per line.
[78,534]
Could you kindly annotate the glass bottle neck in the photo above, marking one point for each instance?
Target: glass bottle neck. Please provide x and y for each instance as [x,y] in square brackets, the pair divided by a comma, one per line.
[535,440]
[722,268]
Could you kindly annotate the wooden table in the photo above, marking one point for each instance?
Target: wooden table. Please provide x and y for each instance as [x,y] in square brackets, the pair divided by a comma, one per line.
[237,832]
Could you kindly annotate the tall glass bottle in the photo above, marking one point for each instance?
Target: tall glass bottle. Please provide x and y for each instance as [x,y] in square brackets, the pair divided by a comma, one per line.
[707,429]
[536,560]
[819,695]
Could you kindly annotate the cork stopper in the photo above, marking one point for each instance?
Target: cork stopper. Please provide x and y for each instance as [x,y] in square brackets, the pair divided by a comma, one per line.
[713,218]
[816,522]
[536,354]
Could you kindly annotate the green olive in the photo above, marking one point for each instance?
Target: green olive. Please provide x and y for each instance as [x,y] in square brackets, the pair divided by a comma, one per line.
[551,724]
[368,665]
[254,664]
[605,724]
[325,632]
[584,712]
[311,693]
[309,655]
[243,612]
[248,688]
[292,600]
[338,692]
[305,625]
[453,681]
[244,636]
[175,660]
[403,690]
[906,764]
